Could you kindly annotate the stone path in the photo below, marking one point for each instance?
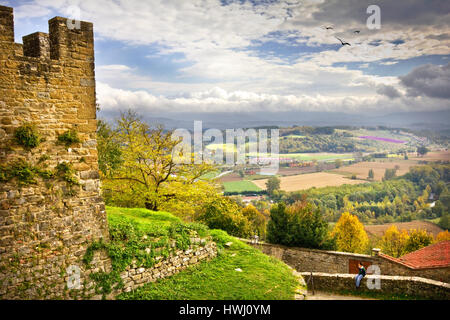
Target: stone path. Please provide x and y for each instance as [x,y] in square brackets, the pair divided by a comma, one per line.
[320,295]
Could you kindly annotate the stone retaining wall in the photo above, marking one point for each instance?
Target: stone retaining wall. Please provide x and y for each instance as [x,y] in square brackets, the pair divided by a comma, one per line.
[411,286]
[135,277]
[303,259]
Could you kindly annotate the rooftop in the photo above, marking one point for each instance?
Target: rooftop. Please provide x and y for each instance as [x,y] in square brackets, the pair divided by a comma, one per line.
[432,256]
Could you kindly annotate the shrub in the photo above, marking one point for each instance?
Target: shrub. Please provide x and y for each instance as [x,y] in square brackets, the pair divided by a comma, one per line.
[68,138]
[222,213]
[27,136]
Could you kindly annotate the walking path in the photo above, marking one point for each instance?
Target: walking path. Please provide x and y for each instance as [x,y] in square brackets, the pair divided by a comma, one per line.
[319,295]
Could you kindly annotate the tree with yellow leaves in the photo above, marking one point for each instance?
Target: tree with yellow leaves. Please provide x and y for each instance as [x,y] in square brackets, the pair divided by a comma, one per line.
[443,236]
[350,234]
[393,242]
[147,172]
[257,220]
[418,239]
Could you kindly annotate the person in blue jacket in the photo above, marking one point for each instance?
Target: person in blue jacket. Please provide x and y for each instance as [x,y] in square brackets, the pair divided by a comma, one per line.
[361,274]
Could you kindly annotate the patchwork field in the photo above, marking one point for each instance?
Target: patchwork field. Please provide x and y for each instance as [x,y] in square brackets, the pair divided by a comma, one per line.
[309,180]
[378,230]
[361,169]
[434,156]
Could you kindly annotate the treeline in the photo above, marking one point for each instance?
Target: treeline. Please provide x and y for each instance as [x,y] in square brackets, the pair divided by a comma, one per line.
[400,199]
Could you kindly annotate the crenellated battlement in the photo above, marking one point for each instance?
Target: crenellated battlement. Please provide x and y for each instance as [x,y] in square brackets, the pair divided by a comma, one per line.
[47,223]
[66,40]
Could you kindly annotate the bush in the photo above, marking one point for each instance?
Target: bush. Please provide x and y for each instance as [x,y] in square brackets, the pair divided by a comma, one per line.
[222,213]
[68,138]
[27,136]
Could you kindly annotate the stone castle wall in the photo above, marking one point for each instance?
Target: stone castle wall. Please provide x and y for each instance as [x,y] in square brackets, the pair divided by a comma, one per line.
[46,226]
[398,285]
[307,260]
[134,277]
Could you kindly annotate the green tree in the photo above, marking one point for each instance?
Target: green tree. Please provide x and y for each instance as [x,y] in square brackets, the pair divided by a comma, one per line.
[278,225]
[298,225]
[108,148]
[444,221]
[389,174]
[422,150]
[338,163]
[272,185]
[371,174]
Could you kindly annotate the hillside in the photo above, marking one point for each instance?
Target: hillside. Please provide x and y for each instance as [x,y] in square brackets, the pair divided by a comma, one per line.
[262,277]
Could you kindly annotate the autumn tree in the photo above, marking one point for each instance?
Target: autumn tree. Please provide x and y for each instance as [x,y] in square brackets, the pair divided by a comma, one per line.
[443,236]
[350,234]
[256,219]
[393,242]
[148,170]
[418,239]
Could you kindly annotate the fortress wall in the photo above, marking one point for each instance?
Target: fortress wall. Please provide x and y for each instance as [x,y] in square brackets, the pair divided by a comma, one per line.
[46,226]
[307,260]
[399,285]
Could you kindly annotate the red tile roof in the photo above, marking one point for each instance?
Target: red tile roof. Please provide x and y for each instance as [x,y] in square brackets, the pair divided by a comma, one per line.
[433,256]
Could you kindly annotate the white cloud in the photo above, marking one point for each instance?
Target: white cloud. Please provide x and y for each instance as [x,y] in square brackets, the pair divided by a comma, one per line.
[214,40]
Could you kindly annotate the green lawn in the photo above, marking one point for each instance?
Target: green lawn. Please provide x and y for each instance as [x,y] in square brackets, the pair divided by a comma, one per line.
[262,277]
[323,156]
[240,186]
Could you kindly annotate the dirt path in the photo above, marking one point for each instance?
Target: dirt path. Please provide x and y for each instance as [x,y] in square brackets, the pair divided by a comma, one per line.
[319,295]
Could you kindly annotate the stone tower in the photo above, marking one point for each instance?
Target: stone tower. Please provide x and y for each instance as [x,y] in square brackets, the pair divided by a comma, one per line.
[50,203]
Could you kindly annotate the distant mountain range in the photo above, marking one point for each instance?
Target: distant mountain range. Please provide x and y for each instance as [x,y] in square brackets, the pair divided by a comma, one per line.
[433,120]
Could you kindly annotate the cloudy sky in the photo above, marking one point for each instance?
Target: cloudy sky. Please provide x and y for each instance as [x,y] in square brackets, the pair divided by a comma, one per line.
[164,56]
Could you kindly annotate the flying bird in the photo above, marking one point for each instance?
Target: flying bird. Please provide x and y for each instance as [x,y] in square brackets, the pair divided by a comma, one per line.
[356,31]
[344,43]
[328,28]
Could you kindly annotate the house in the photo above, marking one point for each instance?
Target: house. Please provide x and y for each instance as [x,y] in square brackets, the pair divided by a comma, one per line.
[433,256]
[432,262]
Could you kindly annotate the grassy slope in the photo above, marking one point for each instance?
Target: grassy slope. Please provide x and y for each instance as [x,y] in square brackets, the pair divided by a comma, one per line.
[262,277]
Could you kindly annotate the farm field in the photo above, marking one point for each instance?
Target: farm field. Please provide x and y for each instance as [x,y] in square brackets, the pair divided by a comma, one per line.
[433,156]
[309,180]
[361,169]
[241,186]
[377,230]
[319,156]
